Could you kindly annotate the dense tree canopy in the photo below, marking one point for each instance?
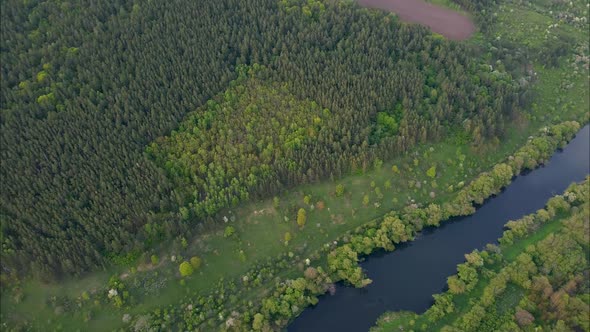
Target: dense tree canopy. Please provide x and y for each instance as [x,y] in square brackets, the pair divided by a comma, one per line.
[87,85]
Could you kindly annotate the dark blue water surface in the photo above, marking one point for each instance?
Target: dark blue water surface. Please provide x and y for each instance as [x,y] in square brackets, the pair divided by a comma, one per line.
[406,278]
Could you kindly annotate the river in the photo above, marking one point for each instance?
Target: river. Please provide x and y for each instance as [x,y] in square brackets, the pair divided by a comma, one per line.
[406,278]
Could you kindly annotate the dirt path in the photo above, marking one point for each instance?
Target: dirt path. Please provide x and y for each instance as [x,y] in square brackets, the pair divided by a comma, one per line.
[446,22]
[144,267]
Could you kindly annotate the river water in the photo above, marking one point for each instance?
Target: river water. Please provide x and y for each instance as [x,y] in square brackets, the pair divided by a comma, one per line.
[406,278]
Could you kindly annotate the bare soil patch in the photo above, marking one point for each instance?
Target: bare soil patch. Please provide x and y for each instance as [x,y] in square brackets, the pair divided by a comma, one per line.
[447,22]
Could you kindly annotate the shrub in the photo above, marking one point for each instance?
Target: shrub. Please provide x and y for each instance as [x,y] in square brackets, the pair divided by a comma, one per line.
[301,217]
[456,286]
[195,262]
[320,205]
[431,172]
[387,184]
[185,269]
[258,322]
[307,199]
[339,190]
[229,231]
[310,273]
[288,237]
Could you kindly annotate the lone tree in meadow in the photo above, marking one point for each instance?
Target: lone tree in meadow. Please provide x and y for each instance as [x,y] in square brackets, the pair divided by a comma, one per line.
[229,231]
[301,217]
[366,200]
[431,172]
[339,190]
[154,260]
[186,269]
[195,262]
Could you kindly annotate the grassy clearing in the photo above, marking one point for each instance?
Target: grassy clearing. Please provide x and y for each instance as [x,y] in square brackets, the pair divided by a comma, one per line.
[509,298]
[561,92]
[531,26]
[514,250]
[523,26]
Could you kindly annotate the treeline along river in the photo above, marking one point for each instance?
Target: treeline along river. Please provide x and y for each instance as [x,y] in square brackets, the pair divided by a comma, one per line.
[406,278]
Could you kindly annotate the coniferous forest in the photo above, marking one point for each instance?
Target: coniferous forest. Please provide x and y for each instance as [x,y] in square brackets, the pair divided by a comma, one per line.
[87,86]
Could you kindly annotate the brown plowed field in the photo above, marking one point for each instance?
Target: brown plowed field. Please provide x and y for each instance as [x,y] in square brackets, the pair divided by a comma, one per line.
[446,22]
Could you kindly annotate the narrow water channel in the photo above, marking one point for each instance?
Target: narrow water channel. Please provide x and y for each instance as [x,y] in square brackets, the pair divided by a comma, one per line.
[406,278]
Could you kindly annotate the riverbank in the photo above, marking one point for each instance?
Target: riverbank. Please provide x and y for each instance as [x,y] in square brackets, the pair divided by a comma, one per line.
[399,227]
[407,278]
[495,289]
[291,296]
